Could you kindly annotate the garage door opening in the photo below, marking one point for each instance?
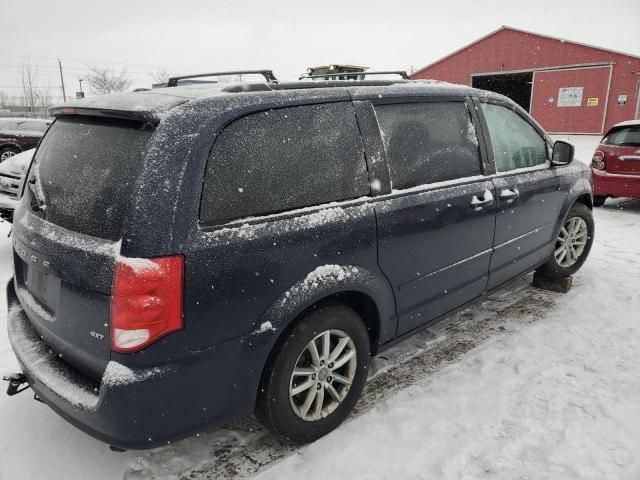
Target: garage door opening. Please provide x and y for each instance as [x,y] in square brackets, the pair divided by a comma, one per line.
[516,86]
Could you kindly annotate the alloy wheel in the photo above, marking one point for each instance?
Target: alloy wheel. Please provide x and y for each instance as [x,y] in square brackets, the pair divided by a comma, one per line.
[6,155]
[322,375]
[571,242]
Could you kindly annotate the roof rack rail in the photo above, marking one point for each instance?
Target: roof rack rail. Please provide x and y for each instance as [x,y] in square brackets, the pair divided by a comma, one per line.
[267,74]
[402,74]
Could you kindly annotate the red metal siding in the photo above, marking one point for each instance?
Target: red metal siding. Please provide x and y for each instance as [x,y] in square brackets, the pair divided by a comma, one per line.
[510,49]
[563,119]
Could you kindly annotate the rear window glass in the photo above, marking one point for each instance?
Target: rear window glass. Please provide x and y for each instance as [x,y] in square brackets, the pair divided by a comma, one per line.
[84,173]
[428,142]
[284,159]
[624,137]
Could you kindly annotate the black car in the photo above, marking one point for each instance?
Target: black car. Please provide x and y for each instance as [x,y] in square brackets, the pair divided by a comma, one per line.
[192,255]
[20,134]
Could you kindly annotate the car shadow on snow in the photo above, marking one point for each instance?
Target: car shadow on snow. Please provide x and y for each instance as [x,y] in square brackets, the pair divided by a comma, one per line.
[244,448]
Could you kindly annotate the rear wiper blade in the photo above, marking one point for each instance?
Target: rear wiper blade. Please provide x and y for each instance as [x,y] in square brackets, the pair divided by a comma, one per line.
[35,202]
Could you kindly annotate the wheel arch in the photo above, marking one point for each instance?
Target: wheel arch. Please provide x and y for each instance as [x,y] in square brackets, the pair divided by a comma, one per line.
[13,146]
[586,199]
[367,293]
[360,302]
[580,192]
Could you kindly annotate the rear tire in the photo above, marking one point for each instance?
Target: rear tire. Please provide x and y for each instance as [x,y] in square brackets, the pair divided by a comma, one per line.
[297,414]
[573,244]
[598,200]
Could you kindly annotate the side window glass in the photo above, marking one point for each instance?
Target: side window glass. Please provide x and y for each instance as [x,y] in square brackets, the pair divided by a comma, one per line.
[515,143]
[283,159]
[428,142]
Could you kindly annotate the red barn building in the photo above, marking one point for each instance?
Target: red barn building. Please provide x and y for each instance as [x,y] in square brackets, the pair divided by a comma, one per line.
[568,87]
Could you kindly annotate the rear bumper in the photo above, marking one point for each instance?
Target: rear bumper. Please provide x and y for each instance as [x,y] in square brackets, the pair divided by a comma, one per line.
[141,408]
[615,185]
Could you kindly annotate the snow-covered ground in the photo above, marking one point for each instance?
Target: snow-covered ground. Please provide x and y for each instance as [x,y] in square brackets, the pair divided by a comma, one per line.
[526,384]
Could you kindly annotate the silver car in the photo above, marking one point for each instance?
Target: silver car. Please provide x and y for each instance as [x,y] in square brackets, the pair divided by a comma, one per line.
[12,173]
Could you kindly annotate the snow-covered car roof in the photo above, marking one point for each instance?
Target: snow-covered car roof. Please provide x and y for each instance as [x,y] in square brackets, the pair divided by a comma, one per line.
[153,104]
[24,119]
[627,123]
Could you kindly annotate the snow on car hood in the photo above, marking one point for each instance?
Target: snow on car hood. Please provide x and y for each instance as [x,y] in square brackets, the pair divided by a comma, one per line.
[17,164]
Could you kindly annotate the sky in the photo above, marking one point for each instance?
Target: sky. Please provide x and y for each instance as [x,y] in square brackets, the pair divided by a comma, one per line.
[287,36]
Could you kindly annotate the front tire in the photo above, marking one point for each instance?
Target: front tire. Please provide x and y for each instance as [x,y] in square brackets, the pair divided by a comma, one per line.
[315,378]
[598,200]
[573,244]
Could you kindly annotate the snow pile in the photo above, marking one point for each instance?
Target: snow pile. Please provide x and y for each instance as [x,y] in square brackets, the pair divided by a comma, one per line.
[322,275]
[117,374]
[326,272]
[265,327]
[138,265]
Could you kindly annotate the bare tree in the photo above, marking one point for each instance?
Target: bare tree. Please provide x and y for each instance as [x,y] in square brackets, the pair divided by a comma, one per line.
[4,99]
[30,84]
[105,80]
[160,75]
[43,97]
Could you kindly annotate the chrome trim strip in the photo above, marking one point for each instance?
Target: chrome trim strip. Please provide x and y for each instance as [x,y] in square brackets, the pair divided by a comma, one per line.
[477,255]
[508,242]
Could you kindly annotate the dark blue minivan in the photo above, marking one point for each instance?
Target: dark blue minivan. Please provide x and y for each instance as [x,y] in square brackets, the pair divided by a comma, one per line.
[191,255]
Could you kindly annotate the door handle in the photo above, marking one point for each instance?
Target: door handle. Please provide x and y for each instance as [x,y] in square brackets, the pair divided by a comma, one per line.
[509,194]
[479,202]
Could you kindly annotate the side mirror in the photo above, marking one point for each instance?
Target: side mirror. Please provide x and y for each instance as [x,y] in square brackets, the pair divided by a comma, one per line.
[562,153]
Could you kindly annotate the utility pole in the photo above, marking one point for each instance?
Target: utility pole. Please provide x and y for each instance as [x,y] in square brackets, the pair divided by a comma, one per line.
[64,94]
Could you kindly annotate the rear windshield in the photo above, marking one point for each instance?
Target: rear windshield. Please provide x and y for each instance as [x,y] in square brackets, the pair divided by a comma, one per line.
[623,137]
[84,173]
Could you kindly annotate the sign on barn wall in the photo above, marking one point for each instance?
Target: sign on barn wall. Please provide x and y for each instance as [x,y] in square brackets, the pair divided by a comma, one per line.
[571,88]
[570,96]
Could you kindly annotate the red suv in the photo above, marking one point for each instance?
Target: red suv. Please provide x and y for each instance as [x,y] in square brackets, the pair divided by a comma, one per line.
[616,163]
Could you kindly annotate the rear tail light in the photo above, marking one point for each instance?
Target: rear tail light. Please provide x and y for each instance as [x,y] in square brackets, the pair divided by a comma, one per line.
[598,160]
[146,301]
